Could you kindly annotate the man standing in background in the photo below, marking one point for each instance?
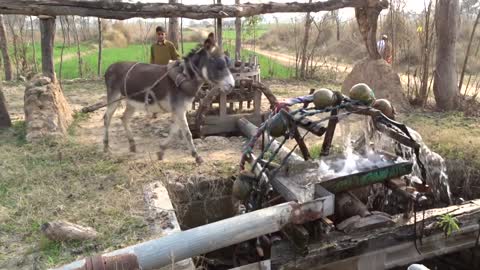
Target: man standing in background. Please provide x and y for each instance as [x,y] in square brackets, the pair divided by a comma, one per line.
[163,50]
[385,49]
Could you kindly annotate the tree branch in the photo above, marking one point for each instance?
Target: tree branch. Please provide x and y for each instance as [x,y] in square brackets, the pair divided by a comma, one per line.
[124,10]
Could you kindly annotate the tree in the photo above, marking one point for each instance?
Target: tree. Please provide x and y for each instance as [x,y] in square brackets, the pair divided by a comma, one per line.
[7,65]
[445,81]
[77,41]
[238,35]
[468,52]
[100,43]
[306,34]
[4,117]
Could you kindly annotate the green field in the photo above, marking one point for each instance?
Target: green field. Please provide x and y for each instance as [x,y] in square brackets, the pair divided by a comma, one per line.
[138,53]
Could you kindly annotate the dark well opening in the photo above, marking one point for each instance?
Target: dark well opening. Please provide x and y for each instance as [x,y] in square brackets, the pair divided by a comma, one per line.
[199,200]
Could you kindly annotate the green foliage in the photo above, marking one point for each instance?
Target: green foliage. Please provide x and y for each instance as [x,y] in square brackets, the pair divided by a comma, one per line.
[448,224]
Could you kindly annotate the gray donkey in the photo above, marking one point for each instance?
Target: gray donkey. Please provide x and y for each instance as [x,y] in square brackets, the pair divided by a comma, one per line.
[147,87]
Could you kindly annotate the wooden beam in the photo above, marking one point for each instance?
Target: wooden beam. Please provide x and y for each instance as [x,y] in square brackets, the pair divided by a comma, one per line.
[126,10]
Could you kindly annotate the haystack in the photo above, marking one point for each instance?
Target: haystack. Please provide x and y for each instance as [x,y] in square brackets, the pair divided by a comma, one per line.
[380,76]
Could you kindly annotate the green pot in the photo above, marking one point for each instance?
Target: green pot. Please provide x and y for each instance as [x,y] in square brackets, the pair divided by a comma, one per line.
[363,93]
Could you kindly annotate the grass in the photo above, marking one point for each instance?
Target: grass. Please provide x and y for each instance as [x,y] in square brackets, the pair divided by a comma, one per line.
[63,180]
[137,53]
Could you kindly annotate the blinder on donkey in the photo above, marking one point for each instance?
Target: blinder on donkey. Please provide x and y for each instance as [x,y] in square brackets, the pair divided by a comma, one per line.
[171,92]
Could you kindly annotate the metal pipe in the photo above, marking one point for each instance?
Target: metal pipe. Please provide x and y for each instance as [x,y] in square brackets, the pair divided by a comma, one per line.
[166,250]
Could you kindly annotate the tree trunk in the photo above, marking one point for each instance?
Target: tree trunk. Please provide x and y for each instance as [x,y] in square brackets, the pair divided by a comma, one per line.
[100,41]
[367,19]
[62,27]
[7,65]
[173,27]
[77,40]
[35,67]
[238,35]
[306,35]
[426,59]
[468,52]
[47,30]
[4,117]
[445,83]
[15,47]
[219,35]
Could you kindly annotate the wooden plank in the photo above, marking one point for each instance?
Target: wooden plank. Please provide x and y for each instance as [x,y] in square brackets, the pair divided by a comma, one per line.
[223,104]
[126,10]
[327,141]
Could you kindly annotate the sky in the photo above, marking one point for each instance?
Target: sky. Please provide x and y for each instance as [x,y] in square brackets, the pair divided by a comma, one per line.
[346,13]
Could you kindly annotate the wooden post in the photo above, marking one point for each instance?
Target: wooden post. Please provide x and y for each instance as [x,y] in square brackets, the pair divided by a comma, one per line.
[47,30]
[223,104]
[173,27]
[327,141]
[238,35]
[219,30]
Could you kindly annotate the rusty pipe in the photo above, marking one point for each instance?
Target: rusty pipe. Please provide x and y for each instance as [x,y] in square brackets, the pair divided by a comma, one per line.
[175,247]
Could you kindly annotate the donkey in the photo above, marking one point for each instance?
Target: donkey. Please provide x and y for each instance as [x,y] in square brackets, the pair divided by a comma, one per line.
[146,86]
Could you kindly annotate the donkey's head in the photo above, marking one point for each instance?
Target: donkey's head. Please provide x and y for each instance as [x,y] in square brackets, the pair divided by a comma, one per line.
[211,66]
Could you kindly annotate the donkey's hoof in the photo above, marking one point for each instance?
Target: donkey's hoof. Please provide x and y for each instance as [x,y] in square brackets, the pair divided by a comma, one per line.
[199,160]
[133,148]
[160,155]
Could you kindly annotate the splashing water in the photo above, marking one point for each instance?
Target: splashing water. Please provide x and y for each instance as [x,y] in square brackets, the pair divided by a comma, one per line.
[353,162]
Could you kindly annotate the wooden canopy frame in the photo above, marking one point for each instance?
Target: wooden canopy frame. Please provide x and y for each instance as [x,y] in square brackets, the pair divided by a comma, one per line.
[123,10]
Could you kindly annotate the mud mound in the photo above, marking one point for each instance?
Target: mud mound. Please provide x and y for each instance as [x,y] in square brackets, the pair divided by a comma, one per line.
[381,78]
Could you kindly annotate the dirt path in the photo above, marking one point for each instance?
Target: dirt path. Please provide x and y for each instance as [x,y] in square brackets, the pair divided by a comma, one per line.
[289,60]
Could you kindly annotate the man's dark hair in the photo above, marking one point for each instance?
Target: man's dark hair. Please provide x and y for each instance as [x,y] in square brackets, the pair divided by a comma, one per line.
[159,29]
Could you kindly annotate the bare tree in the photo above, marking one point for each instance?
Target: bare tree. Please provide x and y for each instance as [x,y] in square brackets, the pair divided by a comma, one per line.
[426,59]
[4,116]
[62,27]
[35,67]
[336,18]
[467,53]
[238,35]
[306,35]
[77,41]
[445,83]
[7,65]
[10,22]
[100,43]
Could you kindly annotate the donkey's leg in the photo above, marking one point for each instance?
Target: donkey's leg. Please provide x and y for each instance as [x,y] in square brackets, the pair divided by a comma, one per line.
[187,135]
[173,131]
[107,118]
[127,115]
